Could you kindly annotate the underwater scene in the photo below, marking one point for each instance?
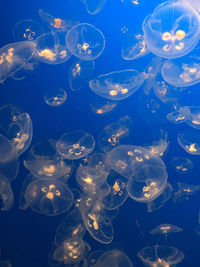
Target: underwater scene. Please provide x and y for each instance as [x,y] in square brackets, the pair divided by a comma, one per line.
[100,133]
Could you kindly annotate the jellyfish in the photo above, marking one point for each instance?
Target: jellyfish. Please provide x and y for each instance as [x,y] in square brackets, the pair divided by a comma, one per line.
[103,106]
[75,145]
[185,191]
[55,23]
[182,165]
[48,197]
[190,142]
[113,133]
[160,256]
[114,258]
[134,47]
[85,41]
[179,116]
[147,181]
[51,48]
[79,73]
[94,7]
[55,97]
[172,30]
[27,30]
[14,57]
[6,194]
[165,229]
[117,85]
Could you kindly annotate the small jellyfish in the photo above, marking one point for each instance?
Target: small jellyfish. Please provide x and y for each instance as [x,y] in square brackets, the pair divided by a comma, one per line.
[80,73]
[117,85]
[134,47]
[114,258]
[48,197]
[172,30]
[190,142]
[165,228]
[182,165]
[27,30]
[179,116]
[162,256]
[193,118]
[185,191]
[75,145]
[55,97]
[51,48]
[182,72]
[6,194]
[160,201]
[55,23]
[94,7]
[85,41]
[148,181]
[103,106]
[15,57]
[165,92]
[113,133]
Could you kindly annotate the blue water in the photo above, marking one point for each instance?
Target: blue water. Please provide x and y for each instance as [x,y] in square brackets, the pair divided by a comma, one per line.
[26,237]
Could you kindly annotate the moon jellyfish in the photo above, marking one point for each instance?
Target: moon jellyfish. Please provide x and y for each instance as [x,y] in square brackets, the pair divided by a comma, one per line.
[190,142]
[85,41]
[160,201]
[117,85]
[51,48]
[75,145]
[27,30]
[79,74]
[181,165]
[147,181]
[160,256]
[55,23]
[179,116]
[55,97]
[134,47]
[113,133]
[14,57]
[165,228]
[114,258]
[165,92]
[48,197]
[118,194]
[94,7]
[172,30]
[182,72]
[6,194]
[71,226]
[185,191]
[71,251]
[103,107]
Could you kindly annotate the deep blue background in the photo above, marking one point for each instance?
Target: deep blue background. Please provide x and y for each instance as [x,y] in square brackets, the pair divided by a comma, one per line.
[26,237]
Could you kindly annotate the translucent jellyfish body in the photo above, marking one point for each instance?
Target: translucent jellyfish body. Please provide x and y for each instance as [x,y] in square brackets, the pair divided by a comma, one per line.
[18,132]
[79,74]
[85,41]
[113,133]
[55,23]
[75,145]
[179,116]
[124,159]
[182,165]
[114,258]
[103,106]
[117,85]
[147,181]
[182,72]
[71,251]
[27,30]
[190,142]
[55,97]
[165,228]
[94,7]
[160,256]
[185,191]
[6,194]
[134,47]
[14,57]
[48,197]
[172,30]
[51,48]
